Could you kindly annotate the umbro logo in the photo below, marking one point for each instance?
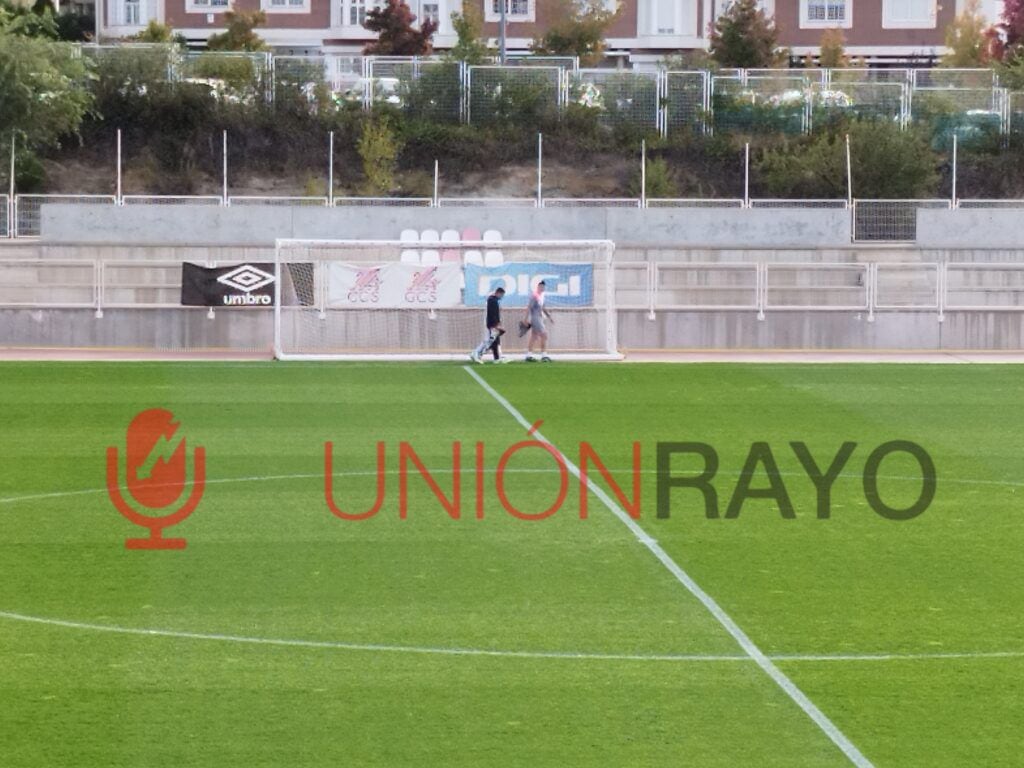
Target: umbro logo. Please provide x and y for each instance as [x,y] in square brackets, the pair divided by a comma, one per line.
[246,278]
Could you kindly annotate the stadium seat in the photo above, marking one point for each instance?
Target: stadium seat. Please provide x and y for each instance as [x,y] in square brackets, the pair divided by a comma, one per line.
[450,236]
[471,235]
[450,254]
[492,236]
[409,236]
[410,257]
[493,259]
[430,236]
[473,257]
[430,258]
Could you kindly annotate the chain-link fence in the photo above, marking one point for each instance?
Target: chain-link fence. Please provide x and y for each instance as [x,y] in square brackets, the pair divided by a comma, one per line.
[5,216]
[687,101]
[511,95]
[28,210]
[424,89]
[768,101]
[570,63]
[618,97]
[301,81]
[172,200]
[965,102]
[1015,108]
[890,220]
[231,76]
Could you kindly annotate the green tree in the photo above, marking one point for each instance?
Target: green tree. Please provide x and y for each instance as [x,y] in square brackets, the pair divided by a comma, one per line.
[833,50]
[744,37]
[43,90]
[155,32]
[27,22]
[471,47]
[378,148]
[577,28]
[886,163]
[240,34]
[967,39]
[396,35]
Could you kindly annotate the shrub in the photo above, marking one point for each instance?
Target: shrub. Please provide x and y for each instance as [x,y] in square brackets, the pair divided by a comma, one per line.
[378,150]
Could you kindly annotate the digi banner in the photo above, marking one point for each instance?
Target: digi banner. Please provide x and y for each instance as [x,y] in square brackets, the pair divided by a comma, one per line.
[247,285]
[566,285]
[394,285]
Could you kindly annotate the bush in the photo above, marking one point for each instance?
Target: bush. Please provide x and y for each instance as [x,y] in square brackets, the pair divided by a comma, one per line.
[887,163]
[378,149]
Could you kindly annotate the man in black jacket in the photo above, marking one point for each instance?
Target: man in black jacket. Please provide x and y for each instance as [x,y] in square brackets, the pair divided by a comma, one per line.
[493,330]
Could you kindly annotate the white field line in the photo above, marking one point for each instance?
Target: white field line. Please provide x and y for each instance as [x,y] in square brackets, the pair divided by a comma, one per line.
[487,470]
[788,686]
[494,652]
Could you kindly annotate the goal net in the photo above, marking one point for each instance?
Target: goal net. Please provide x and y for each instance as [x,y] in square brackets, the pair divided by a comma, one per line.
[359,299]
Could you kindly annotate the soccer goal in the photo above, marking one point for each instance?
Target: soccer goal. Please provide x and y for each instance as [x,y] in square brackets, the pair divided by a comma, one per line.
[389,299]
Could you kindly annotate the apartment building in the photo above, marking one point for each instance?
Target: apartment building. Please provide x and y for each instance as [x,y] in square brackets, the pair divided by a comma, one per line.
[644,32]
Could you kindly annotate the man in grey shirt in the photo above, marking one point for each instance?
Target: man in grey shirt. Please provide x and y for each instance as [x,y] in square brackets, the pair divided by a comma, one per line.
[535,315]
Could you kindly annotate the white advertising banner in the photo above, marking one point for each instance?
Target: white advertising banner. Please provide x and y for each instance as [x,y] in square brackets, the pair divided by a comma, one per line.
[394,285]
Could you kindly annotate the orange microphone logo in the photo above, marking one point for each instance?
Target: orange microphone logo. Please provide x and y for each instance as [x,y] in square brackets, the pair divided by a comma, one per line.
[155,474]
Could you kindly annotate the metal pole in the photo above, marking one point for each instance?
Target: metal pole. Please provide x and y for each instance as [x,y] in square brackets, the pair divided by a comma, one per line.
[120,198]
[10,199]
[746,175]
[330,171]
[849,174]
[540,169]
[224,152]
[12,164]
[96,21]
[643,173]
[437,181]
[501,32]
[954,200]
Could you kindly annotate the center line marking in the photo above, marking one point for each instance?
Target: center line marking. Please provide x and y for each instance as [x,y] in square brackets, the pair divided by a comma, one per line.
[788,686]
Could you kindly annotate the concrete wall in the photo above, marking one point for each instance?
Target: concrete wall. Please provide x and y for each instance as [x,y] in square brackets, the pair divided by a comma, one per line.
[261,225]
[971,228]
[251,330]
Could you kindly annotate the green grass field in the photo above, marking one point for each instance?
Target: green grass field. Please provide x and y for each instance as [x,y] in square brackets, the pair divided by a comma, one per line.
[288,637]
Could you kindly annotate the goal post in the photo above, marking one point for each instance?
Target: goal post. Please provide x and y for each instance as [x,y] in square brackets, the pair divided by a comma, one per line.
[402,300]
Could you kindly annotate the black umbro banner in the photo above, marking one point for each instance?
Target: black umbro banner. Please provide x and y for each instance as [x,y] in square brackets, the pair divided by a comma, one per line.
[245,285]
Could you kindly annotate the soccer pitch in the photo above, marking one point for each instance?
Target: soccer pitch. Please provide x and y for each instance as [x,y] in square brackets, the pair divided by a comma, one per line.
[285,636]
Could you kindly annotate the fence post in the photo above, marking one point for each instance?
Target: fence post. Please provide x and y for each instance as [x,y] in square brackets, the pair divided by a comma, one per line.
[437,179]
[746,175]
[849,174]
[643,173]
[540,169]
[953,203]
[330,170]
[11,229]
[224,173]
[119,198]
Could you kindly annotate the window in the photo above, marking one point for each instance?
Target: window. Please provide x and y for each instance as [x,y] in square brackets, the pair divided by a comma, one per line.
[826,13]
[515,10]
[430,12]
[356,12]
[132,14]
[908,14]
[285,6]
[206,6]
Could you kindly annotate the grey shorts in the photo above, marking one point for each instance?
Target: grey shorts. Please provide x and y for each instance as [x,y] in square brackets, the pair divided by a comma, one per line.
[537,324]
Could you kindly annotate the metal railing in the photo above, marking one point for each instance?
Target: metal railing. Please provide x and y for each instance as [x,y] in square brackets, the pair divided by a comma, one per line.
[872,221]
[762,288]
